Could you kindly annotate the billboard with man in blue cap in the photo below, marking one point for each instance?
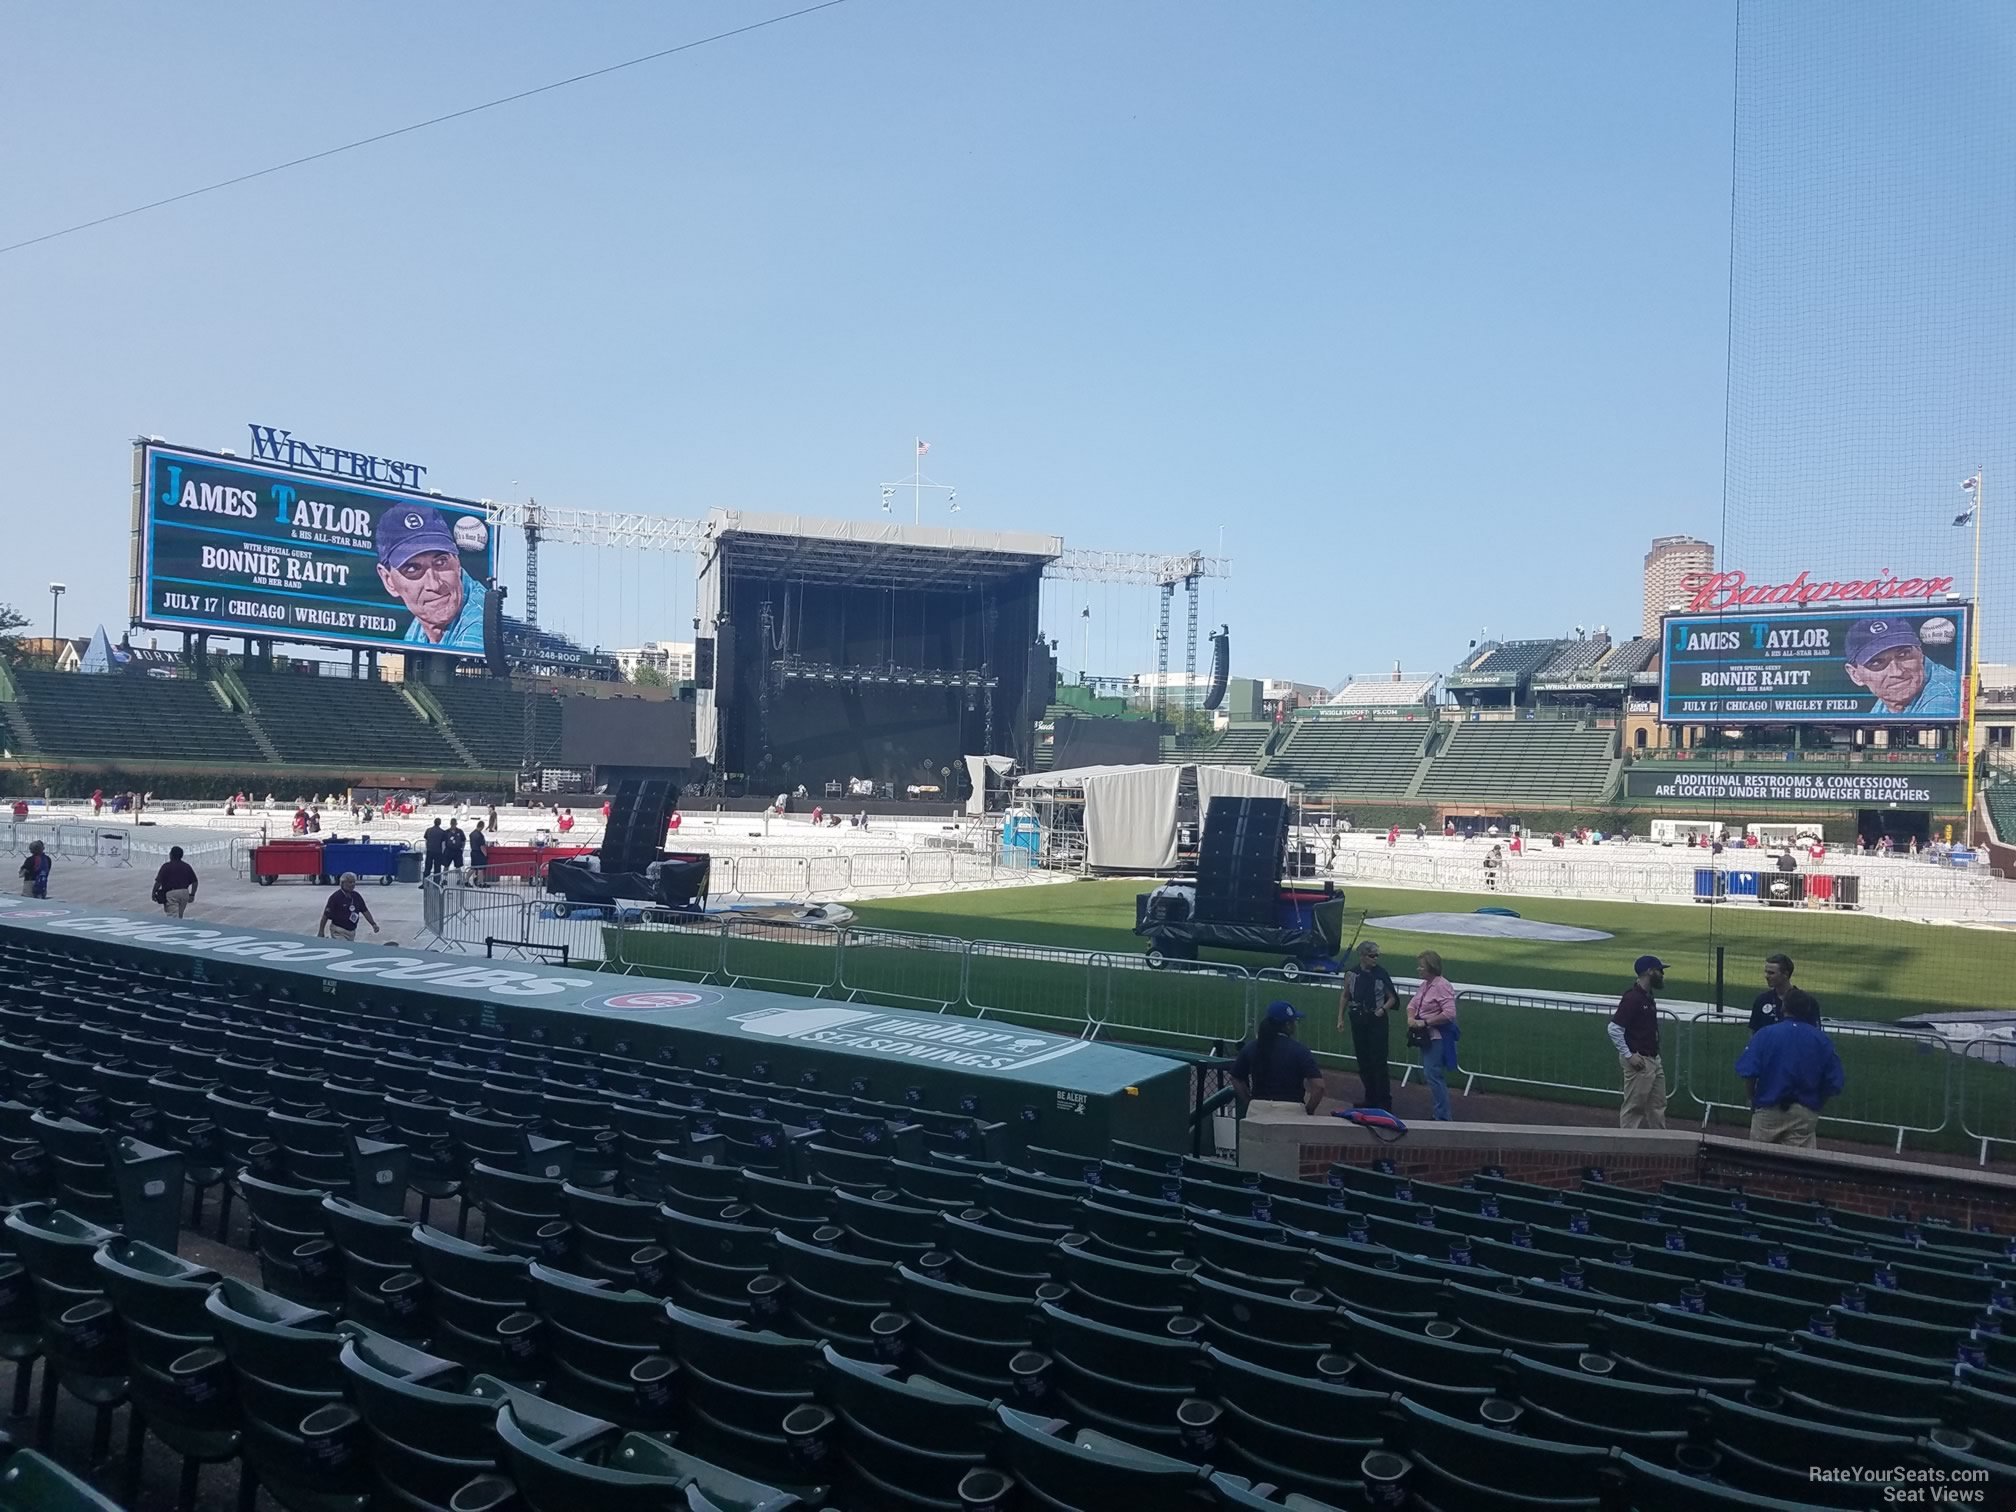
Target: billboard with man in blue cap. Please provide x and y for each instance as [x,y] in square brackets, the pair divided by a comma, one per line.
[1897,666]
[248,548]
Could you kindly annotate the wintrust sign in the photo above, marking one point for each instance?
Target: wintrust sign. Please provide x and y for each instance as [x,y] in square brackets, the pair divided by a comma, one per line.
[1716,591]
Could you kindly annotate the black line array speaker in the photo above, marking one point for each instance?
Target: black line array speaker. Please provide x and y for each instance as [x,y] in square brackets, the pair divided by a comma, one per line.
[1239,860]
[703,661]
[638,811]
[1221,667]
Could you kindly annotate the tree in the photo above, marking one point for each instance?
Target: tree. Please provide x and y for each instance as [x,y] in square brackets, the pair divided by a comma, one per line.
[11,619]
[648,676]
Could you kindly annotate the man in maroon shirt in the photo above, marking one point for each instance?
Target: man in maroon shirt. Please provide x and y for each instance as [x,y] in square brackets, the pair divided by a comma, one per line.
[1634,1030]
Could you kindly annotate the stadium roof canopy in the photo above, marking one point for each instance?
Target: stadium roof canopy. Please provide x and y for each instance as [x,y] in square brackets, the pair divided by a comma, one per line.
[880,553]
[1386,692]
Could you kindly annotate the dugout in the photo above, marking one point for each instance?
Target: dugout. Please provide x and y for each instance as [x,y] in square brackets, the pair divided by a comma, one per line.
[1025,1086]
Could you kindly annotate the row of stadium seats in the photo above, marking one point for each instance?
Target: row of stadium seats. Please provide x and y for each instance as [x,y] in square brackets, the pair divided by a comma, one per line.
[1360,757]
[490,721]
[1240,745]
[306,718]
[311,721]
[1528,762]
[130,718]
[855,1301]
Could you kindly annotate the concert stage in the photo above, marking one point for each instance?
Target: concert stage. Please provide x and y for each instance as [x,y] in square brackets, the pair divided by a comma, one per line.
[836,651]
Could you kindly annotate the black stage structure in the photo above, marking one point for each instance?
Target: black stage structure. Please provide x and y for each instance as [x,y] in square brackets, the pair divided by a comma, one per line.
[835,651]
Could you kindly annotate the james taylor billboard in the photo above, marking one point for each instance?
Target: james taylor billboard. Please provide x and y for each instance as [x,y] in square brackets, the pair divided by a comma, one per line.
[1882,666]
[243,548]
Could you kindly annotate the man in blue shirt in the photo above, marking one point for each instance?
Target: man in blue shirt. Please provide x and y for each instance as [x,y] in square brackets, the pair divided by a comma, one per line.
[420,564]
[1791,1069]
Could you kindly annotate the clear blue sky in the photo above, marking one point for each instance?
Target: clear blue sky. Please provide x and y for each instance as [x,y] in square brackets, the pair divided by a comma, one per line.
[1423,304]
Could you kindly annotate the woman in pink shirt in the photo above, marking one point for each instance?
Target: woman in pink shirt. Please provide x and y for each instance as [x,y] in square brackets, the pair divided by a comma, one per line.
[1433,1012]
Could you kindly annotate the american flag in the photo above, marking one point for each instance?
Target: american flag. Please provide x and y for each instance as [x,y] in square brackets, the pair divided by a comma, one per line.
[923,447]
[1969,485]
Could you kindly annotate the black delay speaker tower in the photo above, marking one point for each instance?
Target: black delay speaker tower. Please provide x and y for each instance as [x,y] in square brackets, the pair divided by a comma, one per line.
[703,661]
[638,811]
[1239,861]
[1221,667]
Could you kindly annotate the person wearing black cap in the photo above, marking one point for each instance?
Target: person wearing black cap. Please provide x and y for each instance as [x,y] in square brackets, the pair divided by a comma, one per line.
[1274,1067]
[1634,1030]
[1367,998]
[420,564]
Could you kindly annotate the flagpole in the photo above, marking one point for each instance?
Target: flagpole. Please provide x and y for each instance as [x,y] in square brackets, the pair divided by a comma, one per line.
[917,487]
[1970,692]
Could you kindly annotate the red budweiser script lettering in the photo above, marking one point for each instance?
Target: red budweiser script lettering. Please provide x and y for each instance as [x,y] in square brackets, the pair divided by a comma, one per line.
[1713,591]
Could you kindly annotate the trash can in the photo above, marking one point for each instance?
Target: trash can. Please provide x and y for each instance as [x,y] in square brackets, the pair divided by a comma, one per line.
[409,866]
[1742,884]
[286,858]
[1847,892]
[366,859]
[1781,889]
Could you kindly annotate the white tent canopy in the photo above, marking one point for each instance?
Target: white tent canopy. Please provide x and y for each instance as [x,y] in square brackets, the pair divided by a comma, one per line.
[1130,811]
[977,768]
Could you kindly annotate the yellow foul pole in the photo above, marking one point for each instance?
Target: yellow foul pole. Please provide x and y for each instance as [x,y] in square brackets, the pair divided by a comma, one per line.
[1970,690]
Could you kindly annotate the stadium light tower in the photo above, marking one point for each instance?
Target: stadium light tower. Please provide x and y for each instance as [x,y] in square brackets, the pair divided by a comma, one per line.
[56,592]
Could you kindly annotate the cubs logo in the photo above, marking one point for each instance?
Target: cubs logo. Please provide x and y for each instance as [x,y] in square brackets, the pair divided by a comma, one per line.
[646,1001]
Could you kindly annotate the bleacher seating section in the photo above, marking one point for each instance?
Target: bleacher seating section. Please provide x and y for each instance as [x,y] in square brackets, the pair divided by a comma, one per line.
[1517,658]
[371,722]
[1235,746]
[689,1291]
[130,718]
[1576,656]
[1384,692]
[1633,656]
[1524,762]
[2001,798]
[1350,757]
[490,721]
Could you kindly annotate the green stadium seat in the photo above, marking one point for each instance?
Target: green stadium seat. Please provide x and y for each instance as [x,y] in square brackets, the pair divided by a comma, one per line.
[997,1259]
[1426,1367]
[1292,1430]
[636,1473]
[1652,1487]
[1091,1472]
[740,1384]
[607,1232]
[905,1443]
[78,1327]
[1774,1452]
[1141,1297]
[478,1305]
[594,1338]
[31,1483]
[522,1215]
[879,1226]
[1588,1404]
[1466,1464]
[1117,1380]
[829,1295]
[170,1351]
[963,1336]
[301,1443]
[289,1230]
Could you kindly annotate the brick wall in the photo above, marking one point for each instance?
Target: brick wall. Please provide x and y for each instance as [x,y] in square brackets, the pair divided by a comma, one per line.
[1561,1168]
[1861,1185]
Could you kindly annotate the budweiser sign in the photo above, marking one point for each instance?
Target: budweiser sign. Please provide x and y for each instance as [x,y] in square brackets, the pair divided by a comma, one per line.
[1716,591]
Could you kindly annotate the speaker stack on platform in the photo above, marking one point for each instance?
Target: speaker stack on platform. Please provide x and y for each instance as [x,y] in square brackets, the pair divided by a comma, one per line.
[1239,861]
[638,812]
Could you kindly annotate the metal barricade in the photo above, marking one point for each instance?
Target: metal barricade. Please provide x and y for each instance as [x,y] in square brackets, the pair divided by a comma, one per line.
[1318,997]
[1985,1084]
[112,848]
[901,969]
[825,875]
[967,867]
[1514,1041]
[930,868]
[432,909]
[879,869]
[1030,983]
[77,841]
[766,876]
[1195,1004]
[1897,1080]
[690,950]
[798,958]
